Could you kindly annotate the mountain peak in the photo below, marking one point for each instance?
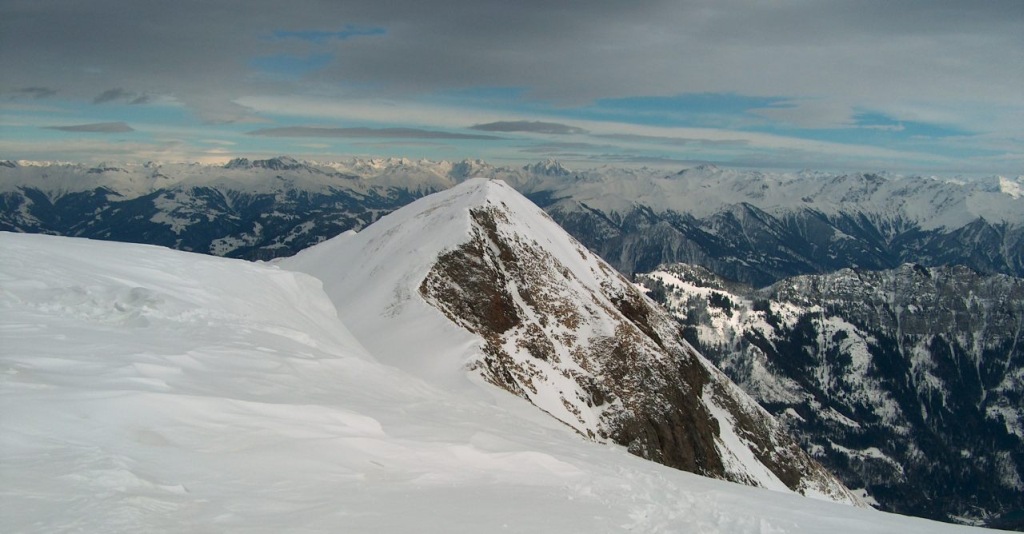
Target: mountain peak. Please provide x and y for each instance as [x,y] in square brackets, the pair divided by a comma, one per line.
[280,163]
[477,282]
[468,168]
[703,168]
[548,167]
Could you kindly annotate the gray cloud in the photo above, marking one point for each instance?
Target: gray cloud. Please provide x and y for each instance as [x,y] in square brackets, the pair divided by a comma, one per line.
[554,147]
[566,51]
[111,95]
[398,146]
[36,92]
[530,127]
[675,141]
[98,127]
[118,94]
[383,133]
[955,62]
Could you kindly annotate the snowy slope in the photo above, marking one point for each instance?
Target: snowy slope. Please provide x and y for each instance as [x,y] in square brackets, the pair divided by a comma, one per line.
[146,390]
[478,278]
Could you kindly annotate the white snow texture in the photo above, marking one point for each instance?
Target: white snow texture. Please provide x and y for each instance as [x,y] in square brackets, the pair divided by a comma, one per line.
[149,390]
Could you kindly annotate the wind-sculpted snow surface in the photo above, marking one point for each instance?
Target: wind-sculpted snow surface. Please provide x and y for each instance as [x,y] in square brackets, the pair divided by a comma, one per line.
[147,390]
[484,279]
[905,382]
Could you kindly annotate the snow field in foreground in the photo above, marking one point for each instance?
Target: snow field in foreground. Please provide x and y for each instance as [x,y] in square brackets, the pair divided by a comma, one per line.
[147,390]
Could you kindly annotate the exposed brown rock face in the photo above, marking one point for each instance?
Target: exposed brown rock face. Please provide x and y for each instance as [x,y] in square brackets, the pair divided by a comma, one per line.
[611,358]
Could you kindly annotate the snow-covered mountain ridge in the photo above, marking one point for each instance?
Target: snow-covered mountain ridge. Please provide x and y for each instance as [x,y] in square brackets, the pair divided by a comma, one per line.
[760,227]
[931,202]
[908,382]
[485,278]
[150,390]
[746,225]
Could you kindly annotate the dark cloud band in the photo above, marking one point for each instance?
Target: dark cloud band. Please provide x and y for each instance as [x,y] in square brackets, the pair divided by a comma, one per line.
[530,127]
[98,127]
[381,133]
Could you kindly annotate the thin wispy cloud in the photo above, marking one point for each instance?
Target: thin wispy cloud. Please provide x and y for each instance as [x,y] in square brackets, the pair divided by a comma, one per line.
[551,148]
[36,92]
[320,37]
[111,95]
[382,133]
[97,127]
[553,128]
[118,94]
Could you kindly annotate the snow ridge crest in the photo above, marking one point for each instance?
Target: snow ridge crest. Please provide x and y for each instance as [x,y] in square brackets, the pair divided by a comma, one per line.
[479,279]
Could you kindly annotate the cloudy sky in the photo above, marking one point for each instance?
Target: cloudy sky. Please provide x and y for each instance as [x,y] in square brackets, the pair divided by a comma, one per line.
[909,85]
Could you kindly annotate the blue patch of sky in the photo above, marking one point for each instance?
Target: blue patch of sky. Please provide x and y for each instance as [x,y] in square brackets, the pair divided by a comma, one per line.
[510,100]
[699,110]
[490,95]
[290,66]
[726,111]
[320,37]
[162,114]
[880,130]
[879,121]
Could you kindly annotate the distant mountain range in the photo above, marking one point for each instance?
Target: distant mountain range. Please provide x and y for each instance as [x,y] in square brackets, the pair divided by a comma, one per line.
[747,226]
[908,382]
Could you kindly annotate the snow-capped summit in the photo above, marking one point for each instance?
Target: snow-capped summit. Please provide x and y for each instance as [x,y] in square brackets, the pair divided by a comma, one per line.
[470,168]
[486,286]
[280,163]
[703,168]
[1009,186]
[548,167]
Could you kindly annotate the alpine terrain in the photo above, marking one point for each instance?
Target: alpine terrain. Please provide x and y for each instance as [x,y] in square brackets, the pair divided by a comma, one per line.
[593,354]
[258,209]
[907,382]
[483,277]
[748,226]
[150,390]
[758,227]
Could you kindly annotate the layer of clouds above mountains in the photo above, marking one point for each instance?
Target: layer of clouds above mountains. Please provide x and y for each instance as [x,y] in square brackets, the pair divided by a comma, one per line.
[99,127]
[938,81]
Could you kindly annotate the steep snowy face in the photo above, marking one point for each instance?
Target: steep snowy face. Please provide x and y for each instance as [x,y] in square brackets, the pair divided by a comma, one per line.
[894,379]
[481,273]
